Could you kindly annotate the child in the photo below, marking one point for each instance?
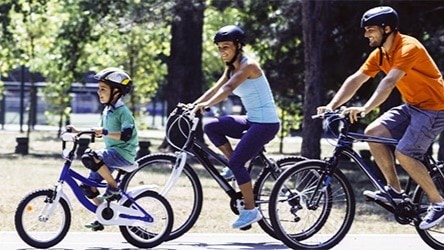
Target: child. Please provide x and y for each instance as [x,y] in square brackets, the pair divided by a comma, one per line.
[117,127]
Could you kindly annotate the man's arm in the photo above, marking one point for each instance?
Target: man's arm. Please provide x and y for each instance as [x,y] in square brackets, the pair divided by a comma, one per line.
[348,89]
[381,93]
[384,89]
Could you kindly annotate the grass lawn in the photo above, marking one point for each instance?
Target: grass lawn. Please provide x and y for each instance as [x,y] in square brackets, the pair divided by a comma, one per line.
[40,168]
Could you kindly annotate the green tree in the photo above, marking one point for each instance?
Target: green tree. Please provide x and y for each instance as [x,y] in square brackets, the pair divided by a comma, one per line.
[25,26]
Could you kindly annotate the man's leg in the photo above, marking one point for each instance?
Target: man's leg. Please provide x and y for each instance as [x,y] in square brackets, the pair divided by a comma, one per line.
[383,155]
[420,175]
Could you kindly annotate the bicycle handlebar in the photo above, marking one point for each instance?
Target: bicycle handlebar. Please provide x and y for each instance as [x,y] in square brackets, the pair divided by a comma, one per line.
[69,136]
[336,116]
[337,113]
[187,108]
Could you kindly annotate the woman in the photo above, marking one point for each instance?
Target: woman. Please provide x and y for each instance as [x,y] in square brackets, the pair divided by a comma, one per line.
[243,77]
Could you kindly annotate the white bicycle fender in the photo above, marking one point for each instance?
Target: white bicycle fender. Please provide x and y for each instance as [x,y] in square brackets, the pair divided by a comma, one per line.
[133,192]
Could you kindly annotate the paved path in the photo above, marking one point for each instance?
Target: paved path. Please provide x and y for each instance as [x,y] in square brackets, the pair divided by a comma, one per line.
[105,240]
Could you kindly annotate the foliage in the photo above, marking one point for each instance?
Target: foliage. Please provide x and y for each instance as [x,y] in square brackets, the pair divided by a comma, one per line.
[76,37]
[64,39]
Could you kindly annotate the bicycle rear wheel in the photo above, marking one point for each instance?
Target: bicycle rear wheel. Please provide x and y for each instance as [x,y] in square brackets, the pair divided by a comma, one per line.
[434,237]
[159,208]
[262,189]
[305,215]
[37,231]
[185,196]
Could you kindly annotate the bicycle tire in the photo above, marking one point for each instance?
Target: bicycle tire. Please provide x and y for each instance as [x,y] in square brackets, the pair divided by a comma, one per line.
[151,236]
[320,227]
[186,196]
[433,237]
[262,189]
[37,233]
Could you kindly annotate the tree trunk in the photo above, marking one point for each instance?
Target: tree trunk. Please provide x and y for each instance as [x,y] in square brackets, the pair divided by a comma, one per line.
[185,62]
[185,77]
[314,21]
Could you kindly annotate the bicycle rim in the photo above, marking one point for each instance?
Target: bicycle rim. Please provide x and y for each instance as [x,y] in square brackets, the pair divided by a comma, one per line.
[41,233]
[434,237]
[151,236]
[301,223]
[185,196]
[262,190]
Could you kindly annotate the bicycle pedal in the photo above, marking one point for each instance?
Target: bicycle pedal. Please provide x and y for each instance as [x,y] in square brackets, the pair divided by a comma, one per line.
[245,228]
[366,198]
[95,226]
[113,198]
[99,228]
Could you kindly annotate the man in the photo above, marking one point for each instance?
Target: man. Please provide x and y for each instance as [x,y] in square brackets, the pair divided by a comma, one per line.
[408,67]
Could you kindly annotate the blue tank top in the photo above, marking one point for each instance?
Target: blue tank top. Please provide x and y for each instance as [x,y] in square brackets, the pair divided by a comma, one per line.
[258,100]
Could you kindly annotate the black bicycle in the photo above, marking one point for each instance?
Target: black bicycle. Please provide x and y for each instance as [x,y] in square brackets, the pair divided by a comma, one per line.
[312,204]
[174,173]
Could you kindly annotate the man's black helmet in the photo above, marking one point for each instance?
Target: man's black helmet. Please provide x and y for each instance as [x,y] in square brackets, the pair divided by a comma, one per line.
[116,78]
[380,16]
[230,33]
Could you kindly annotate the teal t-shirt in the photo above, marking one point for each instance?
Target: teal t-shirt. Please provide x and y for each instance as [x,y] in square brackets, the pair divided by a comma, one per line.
[115,119]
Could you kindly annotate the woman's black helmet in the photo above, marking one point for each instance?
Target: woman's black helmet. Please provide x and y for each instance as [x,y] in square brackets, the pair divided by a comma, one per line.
[380,16]
[115,78]
[230,33]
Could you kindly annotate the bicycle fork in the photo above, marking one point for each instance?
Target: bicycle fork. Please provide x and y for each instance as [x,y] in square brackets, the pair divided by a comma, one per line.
[177,169]
[51,202]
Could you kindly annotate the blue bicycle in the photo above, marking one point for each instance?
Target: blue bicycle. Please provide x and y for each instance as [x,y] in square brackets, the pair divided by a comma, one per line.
[43,217]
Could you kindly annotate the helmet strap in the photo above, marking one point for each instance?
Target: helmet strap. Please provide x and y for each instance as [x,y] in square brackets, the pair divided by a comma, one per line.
[384,39]
[230,64]
[114,96]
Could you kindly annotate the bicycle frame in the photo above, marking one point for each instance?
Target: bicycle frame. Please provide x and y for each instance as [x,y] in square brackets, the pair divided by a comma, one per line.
[343,147]
[70,176]
[203,153]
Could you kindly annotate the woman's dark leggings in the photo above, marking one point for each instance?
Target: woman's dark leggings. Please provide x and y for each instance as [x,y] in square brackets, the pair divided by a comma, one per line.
[253,137]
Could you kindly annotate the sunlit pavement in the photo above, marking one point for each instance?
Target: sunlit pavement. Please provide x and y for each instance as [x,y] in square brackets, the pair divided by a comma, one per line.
[105,240]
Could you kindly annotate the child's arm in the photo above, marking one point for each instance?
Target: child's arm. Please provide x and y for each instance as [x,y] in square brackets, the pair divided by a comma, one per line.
[72,128]
[123,135]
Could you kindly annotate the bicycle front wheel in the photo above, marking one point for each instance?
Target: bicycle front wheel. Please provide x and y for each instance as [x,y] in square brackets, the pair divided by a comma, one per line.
[38,228]
[434,237]
[185,196]
[158,208]
[309,209]
[262,189]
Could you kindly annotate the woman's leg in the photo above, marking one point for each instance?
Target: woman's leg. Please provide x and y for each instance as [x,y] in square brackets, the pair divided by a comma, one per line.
[248,147]
[219,129]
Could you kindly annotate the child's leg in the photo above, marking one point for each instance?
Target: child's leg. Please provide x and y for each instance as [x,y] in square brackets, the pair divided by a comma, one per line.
[106,174]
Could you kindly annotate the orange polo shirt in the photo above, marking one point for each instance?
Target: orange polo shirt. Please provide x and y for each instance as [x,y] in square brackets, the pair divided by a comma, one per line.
[422,85]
